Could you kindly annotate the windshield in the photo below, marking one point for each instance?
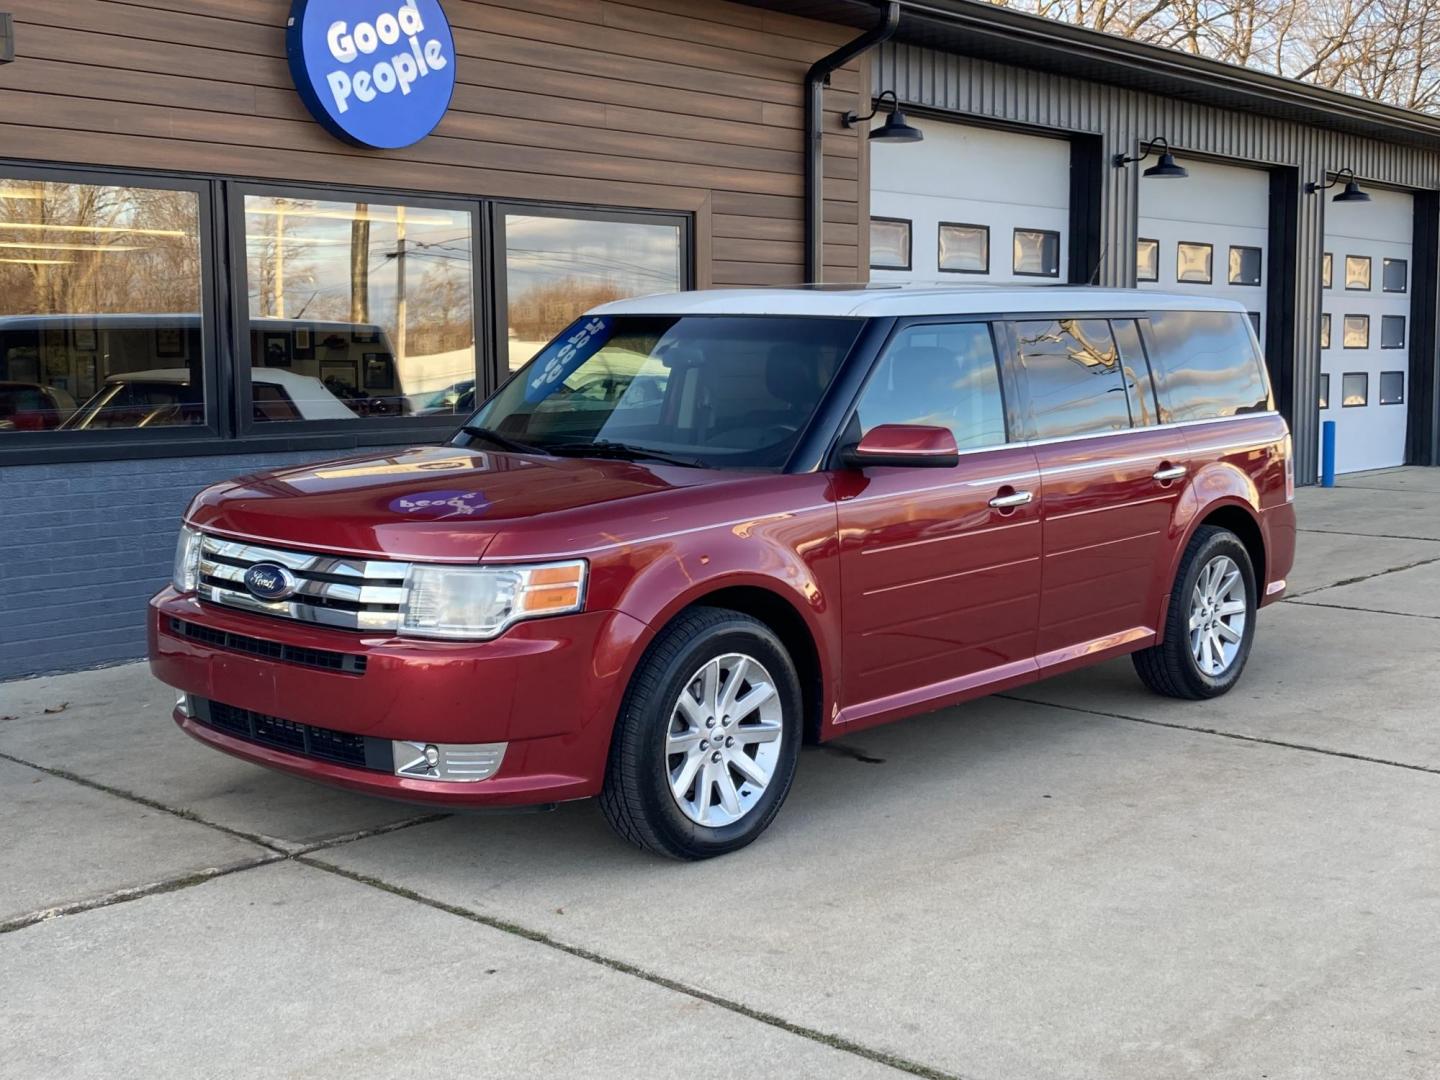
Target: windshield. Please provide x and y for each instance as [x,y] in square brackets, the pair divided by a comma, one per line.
[717,391]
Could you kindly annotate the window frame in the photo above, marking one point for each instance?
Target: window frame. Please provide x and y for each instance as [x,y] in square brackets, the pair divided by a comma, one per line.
[940,232]
[221,195]
[1260,266]
[1209,262]
[1147,240]
[1359,375]
[1369,286]
[51,447]
[496,373]
[1404,332]
[1015,231]
[1324,397]
[389,430]
[909,224]
[1327,270]
[1385,262]
[1380,391]
[1326,330]
[1356,315]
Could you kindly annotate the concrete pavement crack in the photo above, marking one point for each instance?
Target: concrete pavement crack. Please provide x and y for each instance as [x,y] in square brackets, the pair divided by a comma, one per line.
[1367,610]
[538,937]
[1371,536]
[1363,577]
[1284,744]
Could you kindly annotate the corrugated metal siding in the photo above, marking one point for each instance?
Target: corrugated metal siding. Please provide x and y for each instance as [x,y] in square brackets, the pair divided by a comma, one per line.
[1124,118]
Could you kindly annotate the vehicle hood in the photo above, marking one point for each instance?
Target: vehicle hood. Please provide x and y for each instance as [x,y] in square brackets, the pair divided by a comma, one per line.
[442,503]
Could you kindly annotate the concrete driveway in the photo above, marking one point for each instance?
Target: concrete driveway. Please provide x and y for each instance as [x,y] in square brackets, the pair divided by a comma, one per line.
[1077,881]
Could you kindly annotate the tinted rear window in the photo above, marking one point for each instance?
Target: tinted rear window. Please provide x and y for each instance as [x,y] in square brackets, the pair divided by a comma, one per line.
[1205,365]
[1071,378]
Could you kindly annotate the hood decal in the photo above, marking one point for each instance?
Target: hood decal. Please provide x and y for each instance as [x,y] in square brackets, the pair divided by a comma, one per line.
[442,505]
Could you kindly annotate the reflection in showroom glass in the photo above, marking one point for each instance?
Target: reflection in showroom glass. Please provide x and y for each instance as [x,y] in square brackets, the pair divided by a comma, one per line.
[100,303]
[358,309]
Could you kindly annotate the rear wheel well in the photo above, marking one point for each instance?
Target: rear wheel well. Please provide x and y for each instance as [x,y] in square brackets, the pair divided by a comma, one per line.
[1243,525]
[790,627]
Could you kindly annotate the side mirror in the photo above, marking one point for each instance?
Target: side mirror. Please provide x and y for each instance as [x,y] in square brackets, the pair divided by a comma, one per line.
[908,446]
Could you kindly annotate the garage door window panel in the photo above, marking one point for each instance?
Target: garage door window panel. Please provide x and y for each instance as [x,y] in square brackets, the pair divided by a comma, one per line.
[941,375]
[1392,331]
[1206,366]
[1195,263]
[1392,388]
[1037,253]
[890,243]
[1072,377]
[1245,265]
[1327,270]
[1395,275]
[1147,260]
[1357,273]
[1355,389]
[1356,333]
[1325,331]
[1324,391]
[964,249]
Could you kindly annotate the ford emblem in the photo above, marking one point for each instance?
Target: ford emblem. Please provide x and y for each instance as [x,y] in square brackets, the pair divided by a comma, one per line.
[269,581]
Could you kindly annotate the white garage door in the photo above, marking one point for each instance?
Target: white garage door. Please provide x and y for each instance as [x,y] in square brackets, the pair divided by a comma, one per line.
[1365,328]
[1206,234]
[970,204]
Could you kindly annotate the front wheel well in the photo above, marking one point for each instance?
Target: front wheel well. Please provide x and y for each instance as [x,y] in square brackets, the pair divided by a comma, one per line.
[1243,524]
[790,627]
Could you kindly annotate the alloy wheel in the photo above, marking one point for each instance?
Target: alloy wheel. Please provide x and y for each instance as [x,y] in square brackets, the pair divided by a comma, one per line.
[723,740]
[1218,611]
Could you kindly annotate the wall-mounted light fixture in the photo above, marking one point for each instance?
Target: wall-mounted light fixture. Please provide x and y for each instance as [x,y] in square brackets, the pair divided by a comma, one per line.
[7,38]
[1352,192]
[1164,169]
[895,129]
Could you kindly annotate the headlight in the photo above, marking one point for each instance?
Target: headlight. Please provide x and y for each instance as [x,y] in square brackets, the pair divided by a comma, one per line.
[479,602]
[186,578]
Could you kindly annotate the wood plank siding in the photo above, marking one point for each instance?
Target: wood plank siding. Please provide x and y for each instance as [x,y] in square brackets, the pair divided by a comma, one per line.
[645,104]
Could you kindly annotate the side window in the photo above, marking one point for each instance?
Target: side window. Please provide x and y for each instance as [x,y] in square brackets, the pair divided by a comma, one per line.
[944,375]
[1205,365]
[1138,382]
[1071,378]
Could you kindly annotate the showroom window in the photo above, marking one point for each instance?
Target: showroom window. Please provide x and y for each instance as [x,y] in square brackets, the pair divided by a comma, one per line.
[559,264]
[1357,272]
[102,310]
[356,310]
[1147,260]
[1245,265]
[964,249]
[1354,389]
[1395,275]
[889,244]
[1037,253]
[1195,263]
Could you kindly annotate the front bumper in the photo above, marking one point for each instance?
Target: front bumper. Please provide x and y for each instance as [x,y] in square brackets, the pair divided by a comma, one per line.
[549,689]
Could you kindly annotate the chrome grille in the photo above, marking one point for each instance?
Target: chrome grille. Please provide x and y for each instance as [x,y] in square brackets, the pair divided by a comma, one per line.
[352,594]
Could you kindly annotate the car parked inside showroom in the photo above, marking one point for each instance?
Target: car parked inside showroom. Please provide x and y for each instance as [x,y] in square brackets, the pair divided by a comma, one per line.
[819,510]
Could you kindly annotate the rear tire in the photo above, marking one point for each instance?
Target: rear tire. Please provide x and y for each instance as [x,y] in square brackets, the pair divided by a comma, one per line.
[707,739]
[1210,625]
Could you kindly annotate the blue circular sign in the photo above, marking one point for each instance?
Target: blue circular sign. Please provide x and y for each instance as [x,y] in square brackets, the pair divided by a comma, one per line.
[377,73]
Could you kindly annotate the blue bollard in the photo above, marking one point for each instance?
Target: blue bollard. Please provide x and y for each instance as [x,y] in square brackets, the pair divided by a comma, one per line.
[1327,454]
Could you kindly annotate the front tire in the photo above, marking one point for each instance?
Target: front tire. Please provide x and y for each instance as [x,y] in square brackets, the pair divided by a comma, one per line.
[1210,625]
[708,737]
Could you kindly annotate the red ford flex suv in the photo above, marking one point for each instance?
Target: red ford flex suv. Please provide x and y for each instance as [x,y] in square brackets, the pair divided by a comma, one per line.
[698,530]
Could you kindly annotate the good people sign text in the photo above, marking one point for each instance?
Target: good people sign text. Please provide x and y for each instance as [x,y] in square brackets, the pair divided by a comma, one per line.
[375,72]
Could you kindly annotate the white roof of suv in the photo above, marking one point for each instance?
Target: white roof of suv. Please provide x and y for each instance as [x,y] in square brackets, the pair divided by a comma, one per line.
[886,302]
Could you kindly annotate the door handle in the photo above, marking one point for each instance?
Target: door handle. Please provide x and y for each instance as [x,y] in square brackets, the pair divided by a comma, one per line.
[1171,472]
[1011,501]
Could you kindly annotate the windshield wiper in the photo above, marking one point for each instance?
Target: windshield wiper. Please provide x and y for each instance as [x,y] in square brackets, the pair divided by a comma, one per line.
[604,448]
[502,441]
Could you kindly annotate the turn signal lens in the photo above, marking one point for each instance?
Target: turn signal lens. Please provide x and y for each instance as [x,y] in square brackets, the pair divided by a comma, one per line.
[1289,451]
[186,578]
[480,602]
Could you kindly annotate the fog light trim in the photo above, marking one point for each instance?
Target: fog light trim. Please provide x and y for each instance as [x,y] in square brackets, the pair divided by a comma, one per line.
[460,763]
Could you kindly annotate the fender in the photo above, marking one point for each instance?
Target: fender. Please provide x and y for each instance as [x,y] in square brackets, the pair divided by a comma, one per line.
[794,559]
[1218,484]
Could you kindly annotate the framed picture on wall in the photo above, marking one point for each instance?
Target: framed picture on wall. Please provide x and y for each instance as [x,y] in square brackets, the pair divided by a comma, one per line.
[379,371]
[277,350]
[304,344]
[170,343]
[84,338]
